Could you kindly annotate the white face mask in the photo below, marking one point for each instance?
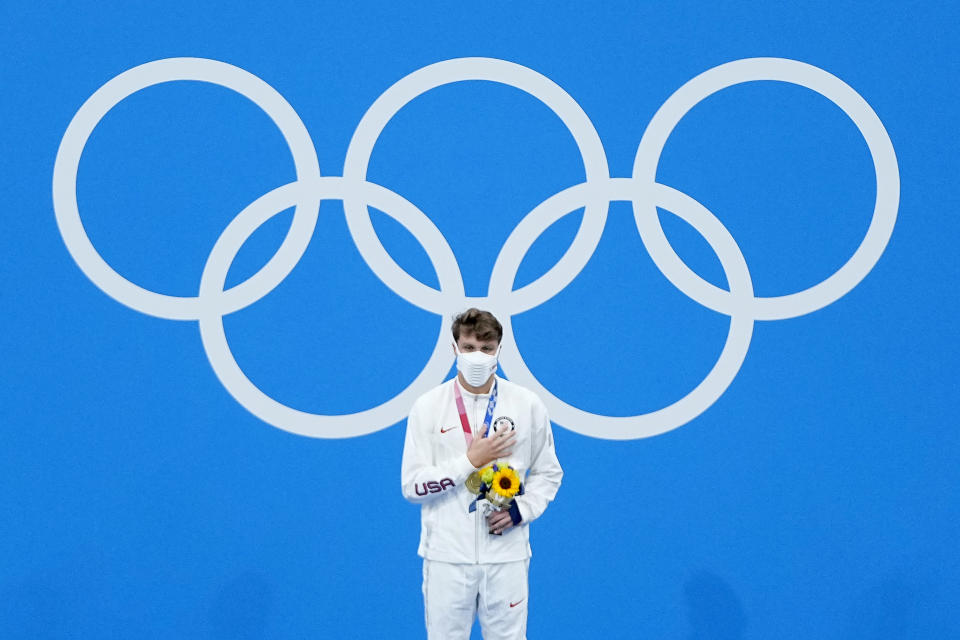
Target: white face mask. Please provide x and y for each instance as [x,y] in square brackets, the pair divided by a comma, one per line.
[476,366]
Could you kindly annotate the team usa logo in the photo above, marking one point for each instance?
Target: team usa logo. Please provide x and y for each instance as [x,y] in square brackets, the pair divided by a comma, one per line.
[503,424]
[433,486]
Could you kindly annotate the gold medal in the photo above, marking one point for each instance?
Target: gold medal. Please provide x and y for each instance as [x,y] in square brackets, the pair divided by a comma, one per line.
[473,482]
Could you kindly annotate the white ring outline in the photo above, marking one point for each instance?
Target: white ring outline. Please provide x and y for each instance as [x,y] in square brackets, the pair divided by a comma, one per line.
[214,338]
[122,86]
[402,92]
[852,104]
[701,397]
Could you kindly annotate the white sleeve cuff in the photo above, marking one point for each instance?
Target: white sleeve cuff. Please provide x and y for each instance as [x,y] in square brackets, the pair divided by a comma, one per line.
[464,468]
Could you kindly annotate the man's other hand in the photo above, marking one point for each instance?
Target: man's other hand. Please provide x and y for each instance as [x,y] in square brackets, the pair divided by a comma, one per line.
[499,521]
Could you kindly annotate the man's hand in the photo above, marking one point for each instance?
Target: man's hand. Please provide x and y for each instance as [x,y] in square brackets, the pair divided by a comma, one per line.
[483,451]
[499,521]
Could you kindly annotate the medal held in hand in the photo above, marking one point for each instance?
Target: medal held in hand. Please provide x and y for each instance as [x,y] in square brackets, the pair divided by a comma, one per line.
[497,483]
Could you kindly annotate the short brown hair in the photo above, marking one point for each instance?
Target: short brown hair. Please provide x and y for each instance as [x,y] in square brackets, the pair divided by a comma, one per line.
[482,324]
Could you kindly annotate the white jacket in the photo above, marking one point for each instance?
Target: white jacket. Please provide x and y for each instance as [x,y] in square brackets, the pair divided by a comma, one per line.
[435,465]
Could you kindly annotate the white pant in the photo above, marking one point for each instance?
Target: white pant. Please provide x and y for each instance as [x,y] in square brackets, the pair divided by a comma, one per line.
[453,594]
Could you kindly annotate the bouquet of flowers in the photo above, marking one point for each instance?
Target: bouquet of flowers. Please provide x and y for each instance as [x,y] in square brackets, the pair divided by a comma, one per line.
[498,483]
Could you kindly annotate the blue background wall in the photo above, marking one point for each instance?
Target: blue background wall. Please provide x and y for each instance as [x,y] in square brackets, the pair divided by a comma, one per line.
[816,499]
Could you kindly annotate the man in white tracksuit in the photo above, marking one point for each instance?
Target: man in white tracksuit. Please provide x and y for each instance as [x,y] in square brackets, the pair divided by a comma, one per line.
[476,563]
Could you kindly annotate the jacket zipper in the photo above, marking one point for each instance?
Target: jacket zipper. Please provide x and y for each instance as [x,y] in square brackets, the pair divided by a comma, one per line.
[476,528]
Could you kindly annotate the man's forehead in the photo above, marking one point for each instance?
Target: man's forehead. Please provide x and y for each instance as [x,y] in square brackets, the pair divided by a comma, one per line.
[466,338]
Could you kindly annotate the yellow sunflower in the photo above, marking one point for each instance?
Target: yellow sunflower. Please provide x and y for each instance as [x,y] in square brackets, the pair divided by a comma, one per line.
[506,482]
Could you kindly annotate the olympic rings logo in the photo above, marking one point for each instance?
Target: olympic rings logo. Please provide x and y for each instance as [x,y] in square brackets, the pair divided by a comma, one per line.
[594,194]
